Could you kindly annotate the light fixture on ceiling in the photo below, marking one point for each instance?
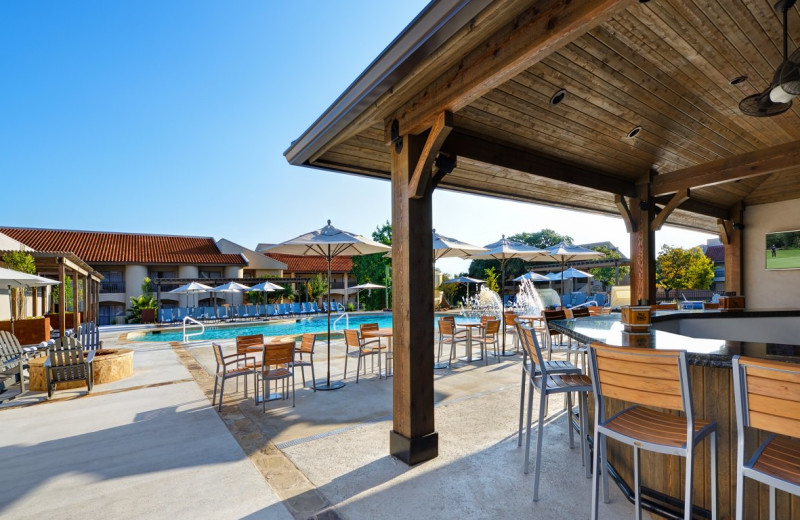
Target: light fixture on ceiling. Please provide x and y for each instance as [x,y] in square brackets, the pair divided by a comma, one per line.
[633,133]
[785,84]
[558,97]
[737,80]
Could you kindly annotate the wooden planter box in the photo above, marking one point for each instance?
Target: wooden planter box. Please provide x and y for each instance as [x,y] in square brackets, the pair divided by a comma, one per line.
[29,331]
[148,315]
[70,321]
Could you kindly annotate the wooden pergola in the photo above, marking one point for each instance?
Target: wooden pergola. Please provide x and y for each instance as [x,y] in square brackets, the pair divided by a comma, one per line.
[615,107]
[58,265]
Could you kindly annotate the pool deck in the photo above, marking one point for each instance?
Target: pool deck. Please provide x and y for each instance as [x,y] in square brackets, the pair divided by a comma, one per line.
[114,452]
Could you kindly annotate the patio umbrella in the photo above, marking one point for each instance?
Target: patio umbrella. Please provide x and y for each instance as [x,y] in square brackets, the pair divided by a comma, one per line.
[564,253]
[446,247]
[363,286]
[191,288]
[230,287]
[504,250]
[465,280]
[329,242]
[265,287]
[19,280]
[534,277]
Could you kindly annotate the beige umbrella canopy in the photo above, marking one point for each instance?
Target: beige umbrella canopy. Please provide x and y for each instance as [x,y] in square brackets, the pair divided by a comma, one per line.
[18,280]
[329,242]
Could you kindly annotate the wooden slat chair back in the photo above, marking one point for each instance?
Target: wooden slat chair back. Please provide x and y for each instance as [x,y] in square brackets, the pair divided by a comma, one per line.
[767,397]
[12,360]
[648,378]
[551,334]
[243,343]
[491,336]
[365,348]
[304,357]
[580,312]
[67,362]
[595,310]
[89,336]
[277,365]
[367,327]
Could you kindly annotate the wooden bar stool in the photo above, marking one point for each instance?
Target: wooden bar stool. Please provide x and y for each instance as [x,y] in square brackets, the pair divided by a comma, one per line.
[767,397]
[647,377]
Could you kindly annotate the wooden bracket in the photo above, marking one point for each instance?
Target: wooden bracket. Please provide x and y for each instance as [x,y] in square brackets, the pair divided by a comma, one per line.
[625,212]
[679,198]
[421,178]
[725,230]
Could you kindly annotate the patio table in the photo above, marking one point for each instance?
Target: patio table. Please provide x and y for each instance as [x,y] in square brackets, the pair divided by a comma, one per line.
[388,333]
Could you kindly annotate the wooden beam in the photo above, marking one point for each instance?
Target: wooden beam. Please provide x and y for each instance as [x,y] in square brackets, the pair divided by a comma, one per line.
[625,213]
[420,180]
[734,252]
[535,34]
[725,231]
[679,198]
[752,164]
[696,206]
[486,151]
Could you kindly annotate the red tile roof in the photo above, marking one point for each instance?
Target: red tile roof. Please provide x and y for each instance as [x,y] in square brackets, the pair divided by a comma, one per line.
[125,248]
[313,264]
[716,253]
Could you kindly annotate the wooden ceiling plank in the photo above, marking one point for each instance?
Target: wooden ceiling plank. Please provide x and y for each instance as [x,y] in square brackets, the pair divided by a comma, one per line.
[690,109]
[620,90]
[752,164]
[570,136]
[538,32]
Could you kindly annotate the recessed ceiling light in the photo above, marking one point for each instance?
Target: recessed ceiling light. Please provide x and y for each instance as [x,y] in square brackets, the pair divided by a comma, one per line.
[558,97]
[738,79]
[633,133]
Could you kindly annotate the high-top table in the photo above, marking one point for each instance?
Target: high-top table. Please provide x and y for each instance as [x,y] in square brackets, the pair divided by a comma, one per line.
[711,339]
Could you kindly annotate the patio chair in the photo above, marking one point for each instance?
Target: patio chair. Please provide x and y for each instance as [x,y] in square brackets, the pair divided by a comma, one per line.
[552,334]
[306,349]
[277,365]
[489,336]
[647,378]
[553,367]
[448,335]
[367,327]
[89,336]
[296,309]
[324,306]
[222,313]
[250,345]
[232,366]
[13,360]
[511,328]
[547,383]
[67,362]
[314,308]
[580,312]
[766,396]
[353,339]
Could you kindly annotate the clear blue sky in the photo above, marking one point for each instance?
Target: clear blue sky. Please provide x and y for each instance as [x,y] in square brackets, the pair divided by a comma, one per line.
[172,118]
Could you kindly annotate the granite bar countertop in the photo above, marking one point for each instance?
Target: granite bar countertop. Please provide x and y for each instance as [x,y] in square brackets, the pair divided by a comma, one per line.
[703,351]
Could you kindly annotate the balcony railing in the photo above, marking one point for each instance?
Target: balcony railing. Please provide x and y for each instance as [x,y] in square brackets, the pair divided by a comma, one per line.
[112,287]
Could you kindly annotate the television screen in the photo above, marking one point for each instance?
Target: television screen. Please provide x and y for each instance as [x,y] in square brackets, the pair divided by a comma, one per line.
[783,250]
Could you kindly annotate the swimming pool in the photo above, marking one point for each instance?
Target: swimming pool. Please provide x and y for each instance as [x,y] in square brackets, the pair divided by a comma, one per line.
[316,324]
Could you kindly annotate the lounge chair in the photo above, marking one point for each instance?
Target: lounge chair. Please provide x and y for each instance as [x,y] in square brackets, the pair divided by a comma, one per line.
[314,308]
[272,310]
[297,308]
[324,306]
[13,360]
[222,313]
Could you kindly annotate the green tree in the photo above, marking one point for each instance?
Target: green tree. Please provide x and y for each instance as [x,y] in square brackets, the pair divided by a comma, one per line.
[542,239]
[491,277]
[678,268]
[607,275]
[373,269]
[24,263]
[317,287]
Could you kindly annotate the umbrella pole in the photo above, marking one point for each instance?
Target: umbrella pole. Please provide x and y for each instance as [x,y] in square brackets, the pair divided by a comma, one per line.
[11,309]
[503,306]
[328,384]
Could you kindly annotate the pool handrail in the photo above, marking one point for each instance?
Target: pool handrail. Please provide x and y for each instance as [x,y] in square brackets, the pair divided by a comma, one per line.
[187,336]
[346,317]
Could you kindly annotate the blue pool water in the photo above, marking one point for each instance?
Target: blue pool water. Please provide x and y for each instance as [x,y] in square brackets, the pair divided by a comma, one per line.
[316,324]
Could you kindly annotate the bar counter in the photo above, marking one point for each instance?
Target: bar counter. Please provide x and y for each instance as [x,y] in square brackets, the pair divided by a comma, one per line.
[711,339]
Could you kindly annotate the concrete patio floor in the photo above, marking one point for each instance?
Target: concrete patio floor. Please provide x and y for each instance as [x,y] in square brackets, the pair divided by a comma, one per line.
[151,446]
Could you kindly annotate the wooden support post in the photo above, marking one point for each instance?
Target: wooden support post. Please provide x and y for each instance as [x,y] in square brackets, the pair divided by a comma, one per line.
[733,243]
[87,310]
[62,299]
[643,255]
[75,319]
[413,438]
[34,301]
[97,301]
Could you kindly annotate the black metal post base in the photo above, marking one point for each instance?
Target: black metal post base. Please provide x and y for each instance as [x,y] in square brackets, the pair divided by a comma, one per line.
[416,450]
[323,385]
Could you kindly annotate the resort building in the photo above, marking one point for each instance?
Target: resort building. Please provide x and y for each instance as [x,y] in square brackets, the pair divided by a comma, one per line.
[126,259]
[309,266]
